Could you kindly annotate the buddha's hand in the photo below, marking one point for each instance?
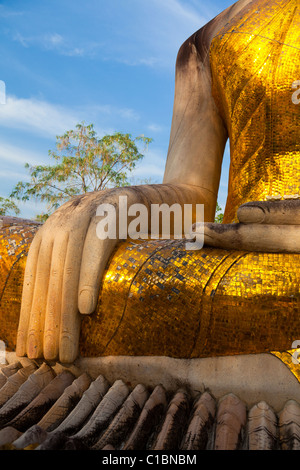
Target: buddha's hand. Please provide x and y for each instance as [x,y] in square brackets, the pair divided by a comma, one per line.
[266,226]
[63,273]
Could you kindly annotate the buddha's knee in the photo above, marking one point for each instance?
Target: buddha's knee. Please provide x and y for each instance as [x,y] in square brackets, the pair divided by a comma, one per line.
[15,239]
[159,299]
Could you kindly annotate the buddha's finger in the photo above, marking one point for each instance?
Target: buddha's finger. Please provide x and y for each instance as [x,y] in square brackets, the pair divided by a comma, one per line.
[105,228]
[27,295]
[96,253]
[70,317]
[253,237]
[54,301]
[285,212]
[39,301]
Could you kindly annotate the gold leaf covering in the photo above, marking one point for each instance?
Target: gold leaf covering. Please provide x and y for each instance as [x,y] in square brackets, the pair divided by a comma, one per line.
[255,60]
[159,299]
[14,245]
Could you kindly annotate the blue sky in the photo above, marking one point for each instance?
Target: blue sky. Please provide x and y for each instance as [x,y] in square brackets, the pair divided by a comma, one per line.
[110,63]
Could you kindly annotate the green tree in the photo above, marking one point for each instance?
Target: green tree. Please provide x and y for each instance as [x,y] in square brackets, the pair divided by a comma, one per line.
[219,215]
[83,163]
[8,207]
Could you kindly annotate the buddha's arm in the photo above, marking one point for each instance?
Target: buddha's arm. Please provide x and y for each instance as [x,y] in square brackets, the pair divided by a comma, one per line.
[198,135]
[66,260]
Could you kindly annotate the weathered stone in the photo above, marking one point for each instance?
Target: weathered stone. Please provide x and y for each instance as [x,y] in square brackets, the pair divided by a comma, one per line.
[231,420]
[171,433]
[200,426]
[262,427]
[124,420]
[149,418]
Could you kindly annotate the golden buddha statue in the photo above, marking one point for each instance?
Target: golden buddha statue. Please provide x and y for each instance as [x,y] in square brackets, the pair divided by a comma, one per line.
[237,78]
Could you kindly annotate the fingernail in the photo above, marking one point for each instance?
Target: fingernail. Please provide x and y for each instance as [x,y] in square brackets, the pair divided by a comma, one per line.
[86,302]
[50,349]
[33,350]
[67,351]
[21,344]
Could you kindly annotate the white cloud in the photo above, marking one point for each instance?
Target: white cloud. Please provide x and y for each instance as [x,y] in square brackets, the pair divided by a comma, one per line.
[149,170]
[18,155]
[147,61]
[13,175]
[152,166]
[176,21]
[54,39]
[37,116]
[185,13]
[21,39]
[155,128]
[29,210]
[6,12]
[56,42]
[157,27]
[126,113]
[49,119]
[152,35]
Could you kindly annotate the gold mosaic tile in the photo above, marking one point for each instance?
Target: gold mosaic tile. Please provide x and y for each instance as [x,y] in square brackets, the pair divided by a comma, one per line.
[194,304]
[14,244]
[255,60]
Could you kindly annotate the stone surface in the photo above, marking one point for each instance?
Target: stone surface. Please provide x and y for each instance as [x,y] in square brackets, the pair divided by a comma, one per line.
[254,378]
[123,417]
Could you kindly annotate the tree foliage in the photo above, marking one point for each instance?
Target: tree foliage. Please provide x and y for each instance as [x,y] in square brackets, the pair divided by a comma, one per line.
[83,163]
[219,215]
[8,207]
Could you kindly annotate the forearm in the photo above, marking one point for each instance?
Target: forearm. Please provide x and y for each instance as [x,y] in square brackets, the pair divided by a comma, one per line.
[185,194]
[170,194]
[198,135]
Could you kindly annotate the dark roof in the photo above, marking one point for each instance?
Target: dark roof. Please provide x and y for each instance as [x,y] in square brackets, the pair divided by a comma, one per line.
[40,409]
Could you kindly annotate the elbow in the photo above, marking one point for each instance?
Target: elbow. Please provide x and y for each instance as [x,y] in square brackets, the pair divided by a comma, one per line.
[186,52]
[195,47]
